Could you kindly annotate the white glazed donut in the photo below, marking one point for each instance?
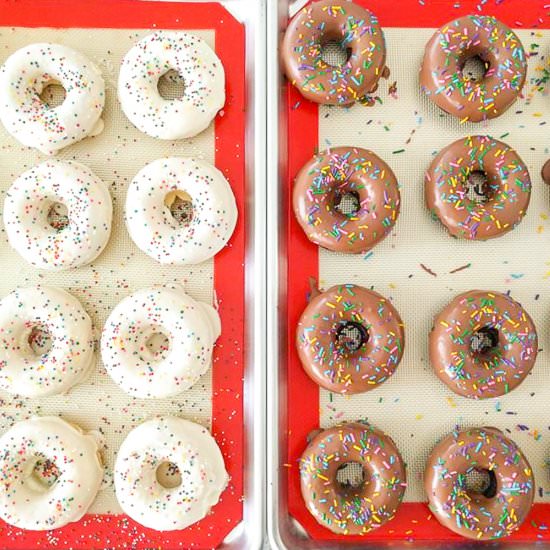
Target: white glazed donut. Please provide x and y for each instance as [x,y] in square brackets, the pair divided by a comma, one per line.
[180,443]
[190,327]
[204,85]
[89,210]
[69,359]
[28,119]
[25,501]
[151,224]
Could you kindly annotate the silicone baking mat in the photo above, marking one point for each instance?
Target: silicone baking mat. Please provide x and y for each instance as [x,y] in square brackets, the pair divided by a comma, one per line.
[105,31]
[421,268]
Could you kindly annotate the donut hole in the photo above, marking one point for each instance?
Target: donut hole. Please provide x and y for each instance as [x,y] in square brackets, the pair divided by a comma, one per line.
[478,481]
[347,203]
[350,475]
[474,68]
[156,347]
[479,190]
[171,85]
[351,336]
[484,340]
[168,475]
[58,216]
[45,474]
[53,94]
[333,52]
[180,205]
[40,340]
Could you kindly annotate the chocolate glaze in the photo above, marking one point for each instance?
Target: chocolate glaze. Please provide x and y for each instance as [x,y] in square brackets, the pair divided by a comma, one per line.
[508,188]
[479,516]
[499,366]
[329,176]
[346,509]
[329,359]
[356,29]
[483,36]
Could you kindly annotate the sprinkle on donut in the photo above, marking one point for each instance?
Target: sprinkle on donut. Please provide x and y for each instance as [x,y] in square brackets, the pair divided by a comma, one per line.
[490,512]
[189,327]
[357,32]
[352,508]
[24,76]
[158,233]
[504,197]
[346,199]
[189,450]
[483,344]
[198,66]
[59,315]
[30,200]
[350,339]
[70,460]
[482,36]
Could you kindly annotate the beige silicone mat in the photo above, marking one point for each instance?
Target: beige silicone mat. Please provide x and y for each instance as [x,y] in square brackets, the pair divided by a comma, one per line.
[115,156]
[407,131]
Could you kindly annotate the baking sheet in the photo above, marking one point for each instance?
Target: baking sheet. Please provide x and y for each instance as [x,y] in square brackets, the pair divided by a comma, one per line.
[115,156]
[407,130]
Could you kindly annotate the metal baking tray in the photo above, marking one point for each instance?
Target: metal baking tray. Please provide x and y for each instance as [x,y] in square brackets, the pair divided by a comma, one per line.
[283,530]
[250,532]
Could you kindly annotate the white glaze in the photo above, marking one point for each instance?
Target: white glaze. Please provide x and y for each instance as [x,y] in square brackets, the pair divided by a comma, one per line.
[28,119]
[196,454]
[24,501]
[191,327]
[90,213]
[200,69]
[70,357]
[151,224]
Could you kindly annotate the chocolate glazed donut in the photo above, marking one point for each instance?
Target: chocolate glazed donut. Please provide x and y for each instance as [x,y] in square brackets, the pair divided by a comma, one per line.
[356,30]
[352,509]
[483,344]
[346,199]
[493,511]
[350,339]
[484,37]
[504,197]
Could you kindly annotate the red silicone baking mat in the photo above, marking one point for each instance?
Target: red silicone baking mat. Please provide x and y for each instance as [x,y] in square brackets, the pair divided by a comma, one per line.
[305,124]
[117,530]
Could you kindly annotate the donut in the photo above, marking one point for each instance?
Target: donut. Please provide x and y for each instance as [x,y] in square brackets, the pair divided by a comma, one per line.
[357,32]
[158,233]
[195,473]
[23,77]
[352,508]
[51,473]
[483,513]
[188,327]
[474,36]
[29,202]
[198,66]
[350,339]
[505,194]
[346,199]
[35,316]
[483,344]
[545,172]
